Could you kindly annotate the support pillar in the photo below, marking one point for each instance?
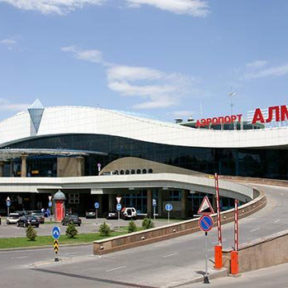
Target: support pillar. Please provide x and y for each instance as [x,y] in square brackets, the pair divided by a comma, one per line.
[1,168]
[214,202]
[23,165]
[100,200]
[11,169]
[184,202]
[112,202]
[160,202]
[149,203]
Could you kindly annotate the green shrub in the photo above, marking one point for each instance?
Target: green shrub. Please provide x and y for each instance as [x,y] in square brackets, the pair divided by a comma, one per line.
[147,223]
[104,229]
[132,227]
[71,230]
[31,233]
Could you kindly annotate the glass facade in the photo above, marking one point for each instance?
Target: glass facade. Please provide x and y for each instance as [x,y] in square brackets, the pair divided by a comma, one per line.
[264,163]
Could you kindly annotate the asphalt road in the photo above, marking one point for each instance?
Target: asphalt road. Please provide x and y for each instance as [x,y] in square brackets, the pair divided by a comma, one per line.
[164,264]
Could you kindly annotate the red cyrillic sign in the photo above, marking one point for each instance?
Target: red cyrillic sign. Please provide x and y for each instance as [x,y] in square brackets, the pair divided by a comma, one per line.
[219,120]
[275,113]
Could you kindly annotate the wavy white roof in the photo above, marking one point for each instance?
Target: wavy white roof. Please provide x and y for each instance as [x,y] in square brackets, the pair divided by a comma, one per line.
[87,120]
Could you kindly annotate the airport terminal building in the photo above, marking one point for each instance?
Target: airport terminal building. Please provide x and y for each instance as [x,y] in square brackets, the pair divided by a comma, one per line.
[58,142]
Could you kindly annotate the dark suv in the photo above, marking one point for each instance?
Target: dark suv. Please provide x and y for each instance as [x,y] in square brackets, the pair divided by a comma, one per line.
[25,221]
[71,219]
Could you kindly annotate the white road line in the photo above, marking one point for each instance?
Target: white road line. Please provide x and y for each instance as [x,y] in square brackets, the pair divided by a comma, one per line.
[117,268]
[277,220]
[166,256]
[19,257]
[254,230]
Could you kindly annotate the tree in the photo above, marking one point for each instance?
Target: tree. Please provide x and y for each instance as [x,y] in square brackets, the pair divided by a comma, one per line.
[31,234]
[104,229]
[132,227]
[147,223]
[71,230]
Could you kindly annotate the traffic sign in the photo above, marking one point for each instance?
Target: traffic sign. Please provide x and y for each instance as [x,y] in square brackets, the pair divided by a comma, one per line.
[168,207]
[50,204]
[118,199]
[205,207]
[118,207]
[154,202]
[206,223]
[56,232]
[56,246]
[96,205]
[8,203]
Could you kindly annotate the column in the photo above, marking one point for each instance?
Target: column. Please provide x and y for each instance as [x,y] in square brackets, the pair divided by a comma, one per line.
[112,202]
[184,206]
[149,203]
[160,202]
[1,168]
[214,203]
[23,165]
[100,200]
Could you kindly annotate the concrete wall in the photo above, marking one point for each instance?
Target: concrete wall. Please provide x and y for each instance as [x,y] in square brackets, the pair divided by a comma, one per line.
[69,167]
[264,252]
[128,163]
[173,230]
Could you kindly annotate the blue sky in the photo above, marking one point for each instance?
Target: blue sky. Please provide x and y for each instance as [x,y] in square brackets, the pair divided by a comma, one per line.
[162,58]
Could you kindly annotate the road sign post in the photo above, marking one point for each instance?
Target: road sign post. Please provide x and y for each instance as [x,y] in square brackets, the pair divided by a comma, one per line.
[218,248]
[234,253]
[56,235]
[50,205]
[154,203]
[118,208]
[8,204]
[206,224]
[168,208]
[96,205]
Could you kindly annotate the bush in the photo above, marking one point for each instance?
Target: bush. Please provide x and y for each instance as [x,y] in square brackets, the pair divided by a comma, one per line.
[71,230]
[104,229]
[132,227]
[31,234]
[147,223]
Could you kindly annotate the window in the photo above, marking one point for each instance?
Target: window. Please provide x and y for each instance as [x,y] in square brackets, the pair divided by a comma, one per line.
[150,171]
[73,198]
[144,171]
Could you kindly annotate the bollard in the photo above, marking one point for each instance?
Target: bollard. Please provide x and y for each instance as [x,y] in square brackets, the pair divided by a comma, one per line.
[234,263]
[218,257]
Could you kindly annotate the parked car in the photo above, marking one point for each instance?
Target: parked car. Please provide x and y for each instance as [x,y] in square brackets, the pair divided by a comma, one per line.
[90,214]
[129,213]
[38,215]
[71,219]
[112,215]
[12,218]
[25,221]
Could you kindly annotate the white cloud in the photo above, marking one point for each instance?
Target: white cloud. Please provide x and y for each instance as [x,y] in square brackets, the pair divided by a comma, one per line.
[51,6]
[6,105]
[9,43]
[182,114]
[94,56]
[256,64]
[196,8]
[267,72]
[157,88]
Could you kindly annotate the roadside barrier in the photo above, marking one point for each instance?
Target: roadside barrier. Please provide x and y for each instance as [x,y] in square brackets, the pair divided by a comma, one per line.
[173,230]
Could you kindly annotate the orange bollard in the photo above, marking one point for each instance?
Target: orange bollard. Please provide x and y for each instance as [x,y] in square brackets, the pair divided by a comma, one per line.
[234,263]
[218,257]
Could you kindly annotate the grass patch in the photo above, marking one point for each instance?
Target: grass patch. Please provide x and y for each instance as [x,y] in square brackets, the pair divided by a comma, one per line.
[20,242]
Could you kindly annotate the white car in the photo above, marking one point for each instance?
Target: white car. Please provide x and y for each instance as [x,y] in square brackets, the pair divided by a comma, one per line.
[129,213]
[12,218]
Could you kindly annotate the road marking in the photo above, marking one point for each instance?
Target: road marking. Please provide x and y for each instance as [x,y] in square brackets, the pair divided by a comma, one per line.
[254,230]
[277,220]
[166,256]
[19,257]
[117,268]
